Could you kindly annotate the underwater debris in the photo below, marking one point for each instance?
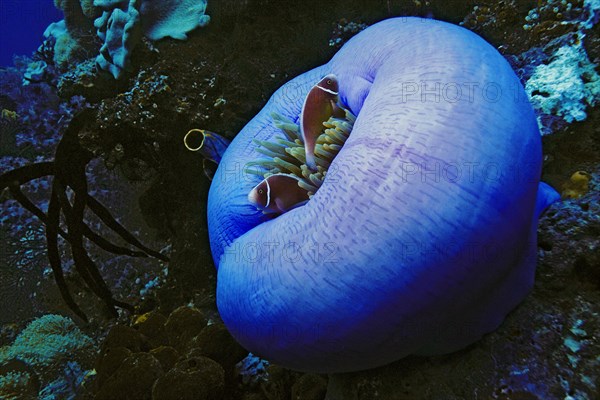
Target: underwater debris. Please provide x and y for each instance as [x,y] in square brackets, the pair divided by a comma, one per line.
[286,154]
[68,170]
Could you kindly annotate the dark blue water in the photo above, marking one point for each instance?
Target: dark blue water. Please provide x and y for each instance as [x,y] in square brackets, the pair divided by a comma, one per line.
[22,23]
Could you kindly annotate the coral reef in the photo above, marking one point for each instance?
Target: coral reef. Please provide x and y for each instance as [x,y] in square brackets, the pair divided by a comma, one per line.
[120,26]
[566,86]
[133,378]
[309,387]
[175,357]
[9,128]
[17,386]
[196,378]
[31,133]
[252,369]
[35,72]
[218,79]
[549,51]
[172,18]
[68,385]
[165,358]
[183,324]
[67,48]
[121,32]
[51,353]
[123,23]
[166,355]
[48,340]
[84,80]
[77,13]
[41,114]
[215,342]
[69,172]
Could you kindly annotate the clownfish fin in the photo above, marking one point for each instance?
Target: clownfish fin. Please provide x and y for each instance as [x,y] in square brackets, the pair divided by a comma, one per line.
[337,112]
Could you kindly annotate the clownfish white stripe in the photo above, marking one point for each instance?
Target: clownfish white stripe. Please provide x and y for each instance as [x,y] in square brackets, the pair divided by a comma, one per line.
[327,90]
[268,193]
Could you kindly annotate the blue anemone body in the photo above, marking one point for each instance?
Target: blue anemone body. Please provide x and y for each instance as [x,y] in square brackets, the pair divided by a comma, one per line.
[423,235]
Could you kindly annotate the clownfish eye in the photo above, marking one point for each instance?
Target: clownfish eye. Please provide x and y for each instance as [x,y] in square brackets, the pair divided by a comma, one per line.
[260,191]
[329,81]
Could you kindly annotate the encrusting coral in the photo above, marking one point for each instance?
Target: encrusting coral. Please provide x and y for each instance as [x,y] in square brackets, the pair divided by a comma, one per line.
[566,86]
[46,341]
[46,347]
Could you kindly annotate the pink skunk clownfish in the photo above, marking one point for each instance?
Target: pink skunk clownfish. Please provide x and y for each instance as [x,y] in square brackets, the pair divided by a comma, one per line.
[320,104]
[278,193]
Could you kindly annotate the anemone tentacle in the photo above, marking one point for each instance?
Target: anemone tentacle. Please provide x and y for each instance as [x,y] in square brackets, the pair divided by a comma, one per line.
[286,155]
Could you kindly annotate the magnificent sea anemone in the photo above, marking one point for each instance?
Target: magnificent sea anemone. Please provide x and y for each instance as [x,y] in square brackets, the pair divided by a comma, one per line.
[422,235]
